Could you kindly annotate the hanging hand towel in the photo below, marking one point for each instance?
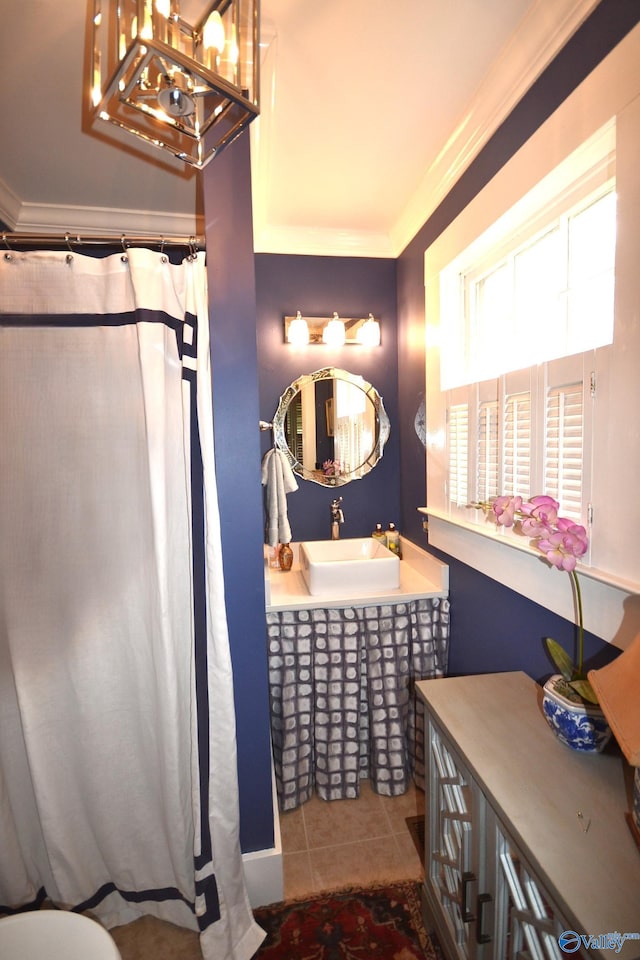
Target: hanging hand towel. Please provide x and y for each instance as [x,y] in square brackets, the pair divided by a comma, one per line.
[279,480]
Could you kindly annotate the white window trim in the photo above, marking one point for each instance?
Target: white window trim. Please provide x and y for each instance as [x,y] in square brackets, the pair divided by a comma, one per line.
[610,601]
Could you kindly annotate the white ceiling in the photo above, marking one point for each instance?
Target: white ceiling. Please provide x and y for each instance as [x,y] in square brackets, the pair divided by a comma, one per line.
[369,112]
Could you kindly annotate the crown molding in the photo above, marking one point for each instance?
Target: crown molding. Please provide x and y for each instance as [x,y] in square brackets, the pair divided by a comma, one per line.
[88,221]
[9,206]
[321,242]
[541,35]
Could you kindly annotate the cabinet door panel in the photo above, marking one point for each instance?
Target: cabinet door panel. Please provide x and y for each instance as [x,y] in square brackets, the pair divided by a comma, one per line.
[452,860]
[527,922]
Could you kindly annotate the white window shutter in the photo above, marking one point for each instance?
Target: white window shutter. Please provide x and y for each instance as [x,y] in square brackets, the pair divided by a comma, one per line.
[564,448]
[517,445]
[488,450]
[459,454]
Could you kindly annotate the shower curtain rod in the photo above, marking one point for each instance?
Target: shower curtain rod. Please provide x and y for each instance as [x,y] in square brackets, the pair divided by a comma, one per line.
[11,241]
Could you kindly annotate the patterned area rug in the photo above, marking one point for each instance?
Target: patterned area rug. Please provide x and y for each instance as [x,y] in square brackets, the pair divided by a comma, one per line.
[377,923]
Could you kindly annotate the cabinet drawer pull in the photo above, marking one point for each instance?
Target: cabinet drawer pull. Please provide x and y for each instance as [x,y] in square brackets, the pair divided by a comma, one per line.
[482,937]
[467,878]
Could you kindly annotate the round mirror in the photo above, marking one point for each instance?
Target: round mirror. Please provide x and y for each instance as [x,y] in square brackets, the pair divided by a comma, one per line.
[332,425]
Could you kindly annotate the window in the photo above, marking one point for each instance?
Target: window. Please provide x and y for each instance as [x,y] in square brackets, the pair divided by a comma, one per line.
[531,290]
[539,282]
[566,425]
[548,297]
[526,441]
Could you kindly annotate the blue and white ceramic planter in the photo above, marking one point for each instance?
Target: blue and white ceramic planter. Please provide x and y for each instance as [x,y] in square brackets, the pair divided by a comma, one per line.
[580,726]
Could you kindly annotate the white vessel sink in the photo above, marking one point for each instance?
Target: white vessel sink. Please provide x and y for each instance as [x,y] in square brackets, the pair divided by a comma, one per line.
[343,567]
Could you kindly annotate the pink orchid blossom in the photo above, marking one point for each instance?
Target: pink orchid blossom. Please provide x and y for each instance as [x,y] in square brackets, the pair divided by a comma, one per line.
[562,542]
[563,547]
[505,510]
[541,513]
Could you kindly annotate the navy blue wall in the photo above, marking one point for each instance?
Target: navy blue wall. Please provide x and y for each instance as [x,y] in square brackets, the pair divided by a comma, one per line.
[232,309]
[317,286]
[494,629]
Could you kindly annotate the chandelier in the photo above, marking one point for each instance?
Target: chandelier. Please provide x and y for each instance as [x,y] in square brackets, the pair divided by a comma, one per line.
[189,86]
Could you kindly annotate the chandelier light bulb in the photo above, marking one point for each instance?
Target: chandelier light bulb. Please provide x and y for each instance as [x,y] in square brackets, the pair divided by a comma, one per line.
[234,49]
[164,8]
[96,87]
[213,33]
[147,23]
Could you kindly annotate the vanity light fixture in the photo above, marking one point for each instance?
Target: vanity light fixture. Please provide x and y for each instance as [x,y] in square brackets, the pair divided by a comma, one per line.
[188,87]
[331,331]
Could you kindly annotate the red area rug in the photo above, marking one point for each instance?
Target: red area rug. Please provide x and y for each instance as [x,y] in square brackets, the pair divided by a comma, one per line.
[381,923]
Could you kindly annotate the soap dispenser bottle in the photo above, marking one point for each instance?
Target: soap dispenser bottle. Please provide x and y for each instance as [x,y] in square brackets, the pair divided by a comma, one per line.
[379,534]
[286,557]
[392,538]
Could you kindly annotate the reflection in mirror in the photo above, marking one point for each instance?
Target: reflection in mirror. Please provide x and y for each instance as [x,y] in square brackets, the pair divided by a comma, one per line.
[332,426]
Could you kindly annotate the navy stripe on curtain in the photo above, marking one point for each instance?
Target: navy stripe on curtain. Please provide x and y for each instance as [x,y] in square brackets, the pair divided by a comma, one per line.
[207,886]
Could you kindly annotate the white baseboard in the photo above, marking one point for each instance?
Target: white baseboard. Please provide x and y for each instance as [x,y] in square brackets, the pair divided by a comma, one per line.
[263,868]
[263,876]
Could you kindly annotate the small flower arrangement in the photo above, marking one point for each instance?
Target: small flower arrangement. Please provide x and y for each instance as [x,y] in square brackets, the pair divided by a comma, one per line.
[331,468]
[562,542]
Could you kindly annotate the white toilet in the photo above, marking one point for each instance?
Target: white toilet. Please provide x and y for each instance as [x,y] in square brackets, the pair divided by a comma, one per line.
[54,935]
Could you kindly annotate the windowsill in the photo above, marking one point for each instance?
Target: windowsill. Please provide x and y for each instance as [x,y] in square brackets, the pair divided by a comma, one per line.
[517,542]
[608,610]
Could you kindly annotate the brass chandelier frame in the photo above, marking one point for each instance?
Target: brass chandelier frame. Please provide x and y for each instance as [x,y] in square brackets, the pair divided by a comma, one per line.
[153,76]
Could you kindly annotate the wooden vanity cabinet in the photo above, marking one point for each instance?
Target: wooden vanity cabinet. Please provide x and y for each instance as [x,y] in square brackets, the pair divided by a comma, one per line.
[524,838]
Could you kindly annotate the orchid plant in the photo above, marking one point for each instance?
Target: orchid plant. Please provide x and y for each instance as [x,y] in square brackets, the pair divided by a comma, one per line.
[331,468]
[562,542]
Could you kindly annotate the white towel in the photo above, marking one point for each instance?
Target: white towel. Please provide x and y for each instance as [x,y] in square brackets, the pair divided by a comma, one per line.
[279,480]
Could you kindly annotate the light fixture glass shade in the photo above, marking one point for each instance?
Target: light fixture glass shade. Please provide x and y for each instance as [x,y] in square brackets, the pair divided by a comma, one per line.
[334,334]
[188,87]
[369,332]
[298,331]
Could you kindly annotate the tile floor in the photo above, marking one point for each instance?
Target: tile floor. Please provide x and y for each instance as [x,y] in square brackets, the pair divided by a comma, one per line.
[326,846]
[347,842]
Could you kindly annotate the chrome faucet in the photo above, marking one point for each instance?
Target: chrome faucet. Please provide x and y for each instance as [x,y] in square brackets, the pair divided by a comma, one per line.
[337,517]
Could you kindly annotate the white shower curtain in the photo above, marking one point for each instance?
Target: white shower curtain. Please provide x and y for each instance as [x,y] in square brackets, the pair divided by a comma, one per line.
[118,786]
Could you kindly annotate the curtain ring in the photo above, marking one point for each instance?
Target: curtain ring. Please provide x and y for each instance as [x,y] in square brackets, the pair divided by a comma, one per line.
[163,257]
[125,247]
[193,248]
[69,256]
[8,256]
